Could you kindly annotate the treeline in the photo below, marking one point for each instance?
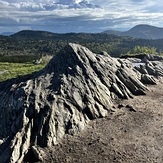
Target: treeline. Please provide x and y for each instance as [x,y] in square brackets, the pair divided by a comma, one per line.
[30,45]
[143,49]
[19,58]
[140,51]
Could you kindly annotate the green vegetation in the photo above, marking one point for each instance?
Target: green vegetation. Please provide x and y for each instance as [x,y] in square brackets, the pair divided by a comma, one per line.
[45,59]
[14,70]
[19,58]
[19,51]
[137,50]
[143,49]
[36,44]
[11,69]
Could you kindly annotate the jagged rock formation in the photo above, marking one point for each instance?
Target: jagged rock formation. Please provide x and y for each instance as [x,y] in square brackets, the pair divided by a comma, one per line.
[74,88]
[150,66]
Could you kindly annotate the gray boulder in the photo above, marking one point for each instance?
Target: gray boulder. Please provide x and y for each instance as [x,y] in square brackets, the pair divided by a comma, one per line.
[147,79]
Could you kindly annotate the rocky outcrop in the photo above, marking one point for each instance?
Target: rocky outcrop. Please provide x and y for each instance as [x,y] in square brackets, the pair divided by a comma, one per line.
[149,66]
[74,88]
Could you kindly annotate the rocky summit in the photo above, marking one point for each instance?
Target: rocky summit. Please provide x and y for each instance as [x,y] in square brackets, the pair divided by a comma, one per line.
[76,86]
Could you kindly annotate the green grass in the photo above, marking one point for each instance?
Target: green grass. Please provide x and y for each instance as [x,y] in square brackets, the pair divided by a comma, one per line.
[14,70]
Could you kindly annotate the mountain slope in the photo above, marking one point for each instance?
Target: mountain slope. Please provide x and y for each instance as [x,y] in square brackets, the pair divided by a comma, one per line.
[141,31]
[30,34]
[40,43]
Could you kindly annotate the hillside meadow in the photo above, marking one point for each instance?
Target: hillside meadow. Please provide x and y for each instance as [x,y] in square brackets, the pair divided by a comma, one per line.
[14,70]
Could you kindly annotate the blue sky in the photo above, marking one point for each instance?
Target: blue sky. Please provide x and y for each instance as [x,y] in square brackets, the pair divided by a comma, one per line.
[64,16]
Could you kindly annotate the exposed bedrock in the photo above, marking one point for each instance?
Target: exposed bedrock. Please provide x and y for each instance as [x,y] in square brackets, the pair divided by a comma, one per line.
[74,88]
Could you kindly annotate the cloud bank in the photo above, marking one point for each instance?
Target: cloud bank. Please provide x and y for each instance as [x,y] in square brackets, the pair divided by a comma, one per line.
[63,16]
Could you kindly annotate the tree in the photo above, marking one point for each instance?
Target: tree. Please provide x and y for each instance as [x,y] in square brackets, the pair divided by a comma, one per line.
[143,49]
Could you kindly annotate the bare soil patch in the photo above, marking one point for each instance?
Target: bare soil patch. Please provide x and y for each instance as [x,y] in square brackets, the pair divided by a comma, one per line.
[133,133]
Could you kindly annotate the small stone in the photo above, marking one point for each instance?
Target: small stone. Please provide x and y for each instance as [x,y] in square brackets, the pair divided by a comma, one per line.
[131,108]
[120,106]
[1,141]
[38,153]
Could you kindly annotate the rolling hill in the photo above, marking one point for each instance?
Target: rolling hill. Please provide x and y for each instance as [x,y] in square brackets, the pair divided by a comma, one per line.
[141,31]
[35,44]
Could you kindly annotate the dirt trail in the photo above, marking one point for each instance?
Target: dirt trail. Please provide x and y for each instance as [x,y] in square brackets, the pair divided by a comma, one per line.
[132,134]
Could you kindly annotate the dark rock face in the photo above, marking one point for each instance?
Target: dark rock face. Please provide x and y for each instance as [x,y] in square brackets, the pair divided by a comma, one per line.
[74,88]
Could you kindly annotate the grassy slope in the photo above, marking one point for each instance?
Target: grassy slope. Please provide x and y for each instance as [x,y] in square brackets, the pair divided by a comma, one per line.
[13,70]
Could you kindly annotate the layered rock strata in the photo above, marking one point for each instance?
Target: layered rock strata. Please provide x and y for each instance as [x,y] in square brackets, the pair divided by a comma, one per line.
[74,88]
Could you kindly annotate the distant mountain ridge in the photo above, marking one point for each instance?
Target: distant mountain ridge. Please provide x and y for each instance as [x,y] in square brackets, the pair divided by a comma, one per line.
[40,43]
[31,34]
[7,33]
[140,31]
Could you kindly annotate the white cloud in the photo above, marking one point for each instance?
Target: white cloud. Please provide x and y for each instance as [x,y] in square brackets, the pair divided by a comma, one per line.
[78,15]
[47,4]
